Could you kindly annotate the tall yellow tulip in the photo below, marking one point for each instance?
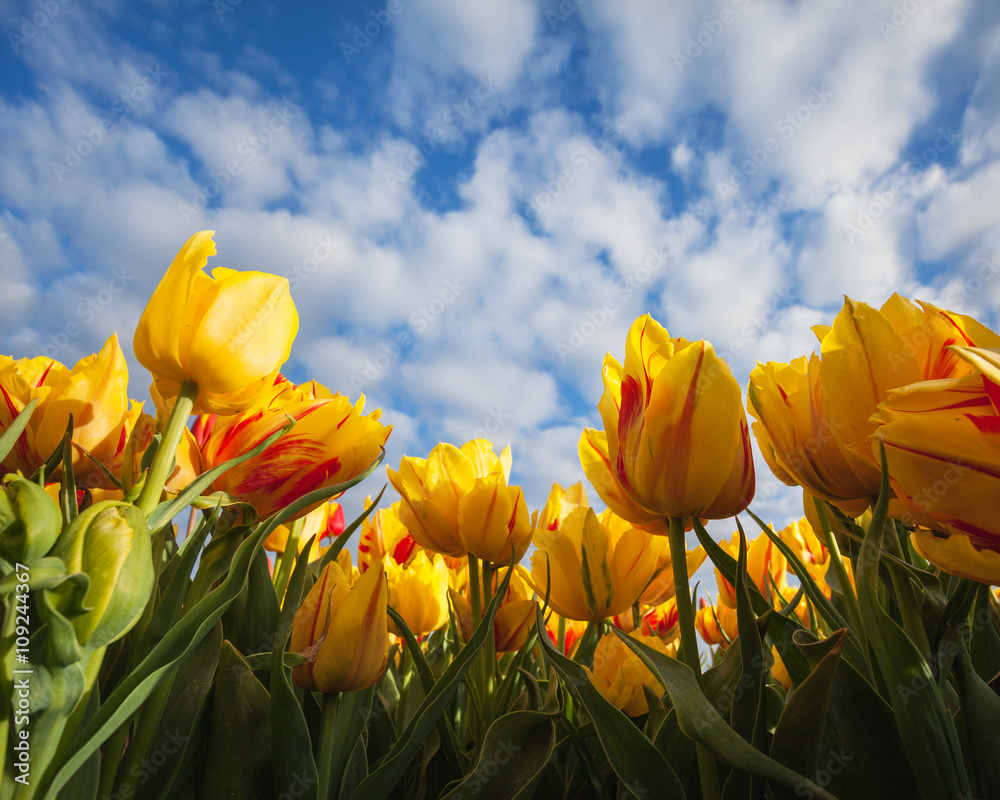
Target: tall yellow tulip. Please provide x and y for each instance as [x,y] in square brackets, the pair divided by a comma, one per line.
[619,674]
[229,333]
[343,625]
[675,441]
[94,391]
[419,593]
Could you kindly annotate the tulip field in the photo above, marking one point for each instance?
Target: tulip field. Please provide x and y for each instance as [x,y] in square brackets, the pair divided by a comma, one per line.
[189,614]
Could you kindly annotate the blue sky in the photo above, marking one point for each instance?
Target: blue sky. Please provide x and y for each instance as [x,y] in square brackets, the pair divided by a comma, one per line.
[473,201]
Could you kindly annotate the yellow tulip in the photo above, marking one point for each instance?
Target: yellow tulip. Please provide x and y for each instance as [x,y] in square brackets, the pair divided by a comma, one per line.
[230,333]
[801,537]
[660,620]
[675,441]
[661,587]
[619,674]
[342,625]
[331,443]
[457,501]
[716,624]
[814,417]
[942,443]
[419,593]
[574,631]
[595,567]
[187,459]
[95,392]
[766,566]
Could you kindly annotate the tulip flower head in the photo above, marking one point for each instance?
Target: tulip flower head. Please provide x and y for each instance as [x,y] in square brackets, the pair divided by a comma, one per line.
[94,392]
[457,501]
[342,625]
[230,333]
[419,593]
[675,441]
[619,674]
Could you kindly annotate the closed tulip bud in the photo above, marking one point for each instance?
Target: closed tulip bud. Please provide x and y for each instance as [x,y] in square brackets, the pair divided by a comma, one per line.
[419,593]
[594,567]
[942,444]
[515,616]
[342,626]
[457,501]
[332,442]
[230,333]
[675,441]
[29,520]
[94,392]
[109,542]
[619,674]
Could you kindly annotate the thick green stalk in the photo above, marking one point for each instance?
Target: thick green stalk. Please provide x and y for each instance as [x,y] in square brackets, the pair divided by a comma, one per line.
[327,744]
[162,466]
[489,649]
[689,645]
[913,622]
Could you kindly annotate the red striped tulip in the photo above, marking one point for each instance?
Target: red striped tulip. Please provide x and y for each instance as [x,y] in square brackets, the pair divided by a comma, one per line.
[675,441]
[343,626]
[331,443]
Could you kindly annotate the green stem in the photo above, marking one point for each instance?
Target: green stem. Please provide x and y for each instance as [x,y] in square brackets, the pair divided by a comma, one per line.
[850,598]
[905,596]
[475,596]
[163,461]
[112,758]
[287,559]
[689,645]
[326,746]
[145,736]
[562,635]
[489,650]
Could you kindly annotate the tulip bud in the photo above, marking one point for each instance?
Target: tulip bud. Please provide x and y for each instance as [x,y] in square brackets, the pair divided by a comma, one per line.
[29,521]
[109,542]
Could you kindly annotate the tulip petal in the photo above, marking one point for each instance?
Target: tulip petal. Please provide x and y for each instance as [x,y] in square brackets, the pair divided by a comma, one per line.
[956,555]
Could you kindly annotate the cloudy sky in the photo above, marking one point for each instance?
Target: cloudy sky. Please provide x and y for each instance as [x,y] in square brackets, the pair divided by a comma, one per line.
[474,200]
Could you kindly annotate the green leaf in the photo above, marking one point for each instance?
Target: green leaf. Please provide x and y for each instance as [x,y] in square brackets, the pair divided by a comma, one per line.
[10,436]
[130,694]
[291,744]
[798,737]
[925,725]
[238,749]
[186,706]
[251,620]
[978,722]
[702,722]
[515,751]
[381,781]
[637,763]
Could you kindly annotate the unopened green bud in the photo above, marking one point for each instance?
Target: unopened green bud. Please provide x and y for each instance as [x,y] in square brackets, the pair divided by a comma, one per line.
[109,542]
[29,520]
